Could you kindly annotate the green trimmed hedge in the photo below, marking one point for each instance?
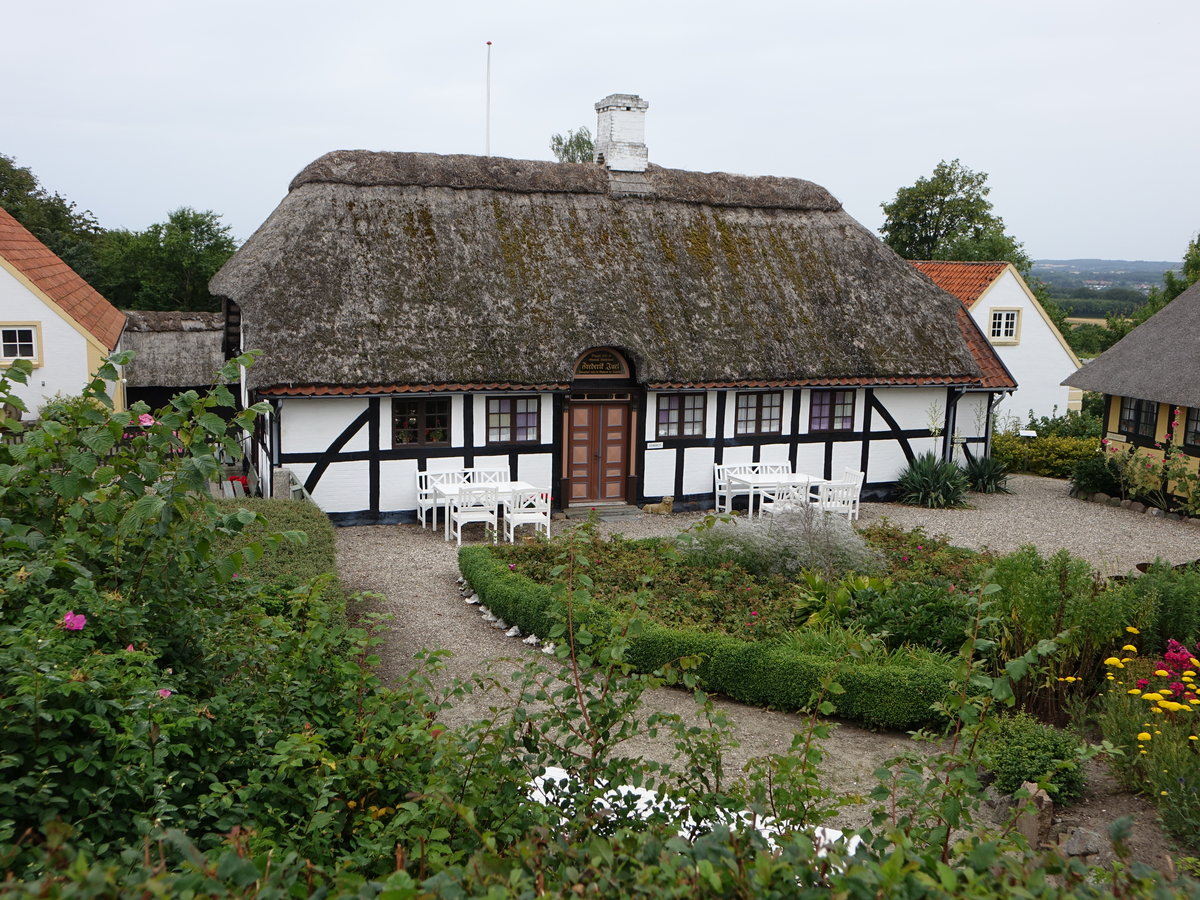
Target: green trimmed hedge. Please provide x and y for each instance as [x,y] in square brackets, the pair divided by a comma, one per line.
[1050,455]
[892,695]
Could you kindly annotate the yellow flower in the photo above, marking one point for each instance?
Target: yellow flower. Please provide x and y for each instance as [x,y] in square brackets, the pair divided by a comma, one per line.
[1155,709]
[1195,662]
[1192,737]
[1188,673]
[1143,752]
[1131,629]
[1166,692]
[1152,696]
[1162,673]
[1162,793]
[1194,701]
[1130,648]
[352,803]
[1143,736]
[1133,691]
[1113,661]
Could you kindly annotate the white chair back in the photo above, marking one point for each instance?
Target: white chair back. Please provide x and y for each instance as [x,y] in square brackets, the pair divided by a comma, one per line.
[839,497]
[784,496]
[774,468]
[487,476]
[474,497]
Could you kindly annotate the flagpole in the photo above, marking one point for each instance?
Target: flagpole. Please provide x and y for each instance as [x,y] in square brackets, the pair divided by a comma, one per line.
[487,130]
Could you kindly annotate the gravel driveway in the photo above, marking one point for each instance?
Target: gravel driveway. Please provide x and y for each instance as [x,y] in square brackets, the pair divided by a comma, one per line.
[414,571]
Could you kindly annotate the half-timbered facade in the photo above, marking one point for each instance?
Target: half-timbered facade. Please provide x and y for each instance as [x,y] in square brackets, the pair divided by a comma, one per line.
[609,330]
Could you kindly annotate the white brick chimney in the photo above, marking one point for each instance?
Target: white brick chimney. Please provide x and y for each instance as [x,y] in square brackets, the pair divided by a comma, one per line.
[621,132]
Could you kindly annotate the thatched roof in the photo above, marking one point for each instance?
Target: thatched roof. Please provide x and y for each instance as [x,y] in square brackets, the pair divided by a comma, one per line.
[173,349]
[1159,360]
[403,269]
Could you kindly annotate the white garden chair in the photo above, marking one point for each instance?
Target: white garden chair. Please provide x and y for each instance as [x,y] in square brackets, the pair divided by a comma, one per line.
[488,476]
[526,508]
[786,496]
[473,503]
[428,499]
[723,490]
[840,497]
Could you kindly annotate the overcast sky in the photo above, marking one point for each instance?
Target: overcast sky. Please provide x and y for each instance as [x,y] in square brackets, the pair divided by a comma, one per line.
[1085,115]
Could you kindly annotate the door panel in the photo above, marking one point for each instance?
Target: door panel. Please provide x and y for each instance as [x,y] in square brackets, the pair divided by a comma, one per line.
[597,452]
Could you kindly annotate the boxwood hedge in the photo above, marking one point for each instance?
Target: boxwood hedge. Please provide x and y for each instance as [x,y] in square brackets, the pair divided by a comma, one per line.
[897,693]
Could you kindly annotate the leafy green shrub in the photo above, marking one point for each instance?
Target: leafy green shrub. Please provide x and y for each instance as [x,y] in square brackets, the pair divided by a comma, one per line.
[1051,456]
[927,614]
[1041,597]
[987,475]
[1096,474]
[1023,749]
[1166,603]
[785,544]
[913,555]
[292,564]
[932,482]
[1075,423]
[897,690]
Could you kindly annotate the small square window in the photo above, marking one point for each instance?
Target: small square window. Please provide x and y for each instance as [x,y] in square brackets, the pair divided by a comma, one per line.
[680,415]
[831,411]
[760,413]
[419,422]
[512,420]
[1004,325]
[18,342]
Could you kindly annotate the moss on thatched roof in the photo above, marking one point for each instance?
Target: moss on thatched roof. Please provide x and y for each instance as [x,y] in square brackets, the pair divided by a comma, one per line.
[1159,360]
[407,268]
[173,349]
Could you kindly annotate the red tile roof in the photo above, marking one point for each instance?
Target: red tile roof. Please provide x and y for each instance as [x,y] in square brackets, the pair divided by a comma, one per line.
[338,390]
[965,280]
[58,281]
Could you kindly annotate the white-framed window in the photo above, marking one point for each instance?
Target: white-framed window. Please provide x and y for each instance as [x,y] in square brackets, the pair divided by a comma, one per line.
[759,413]
[20,340]
[512,420]
[680,415]
[1005,326]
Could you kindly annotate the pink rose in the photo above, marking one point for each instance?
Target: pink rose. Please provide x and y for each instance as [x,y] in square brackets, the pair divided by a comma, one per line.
[145,420]
[72,621]
[164,693]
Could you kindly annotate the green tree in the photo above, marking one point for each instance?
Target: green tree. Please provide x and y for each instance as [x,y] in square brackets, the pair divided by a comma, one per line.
[948,216]
[576,147]
[55,221]
[168,265]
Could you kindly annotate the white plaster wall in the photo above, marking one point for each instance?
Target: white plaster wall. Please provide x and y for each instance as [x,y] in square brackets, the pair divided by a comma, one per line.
[659,476]
[343,486]
[737,455]
[537,469]
[810,458]
[910,407]
[445,463]
[499,461]
[886,461]
[1038,362]
[774,453]
[972,415]
[698,470]
[397,484]
[846,455]
[64,368]
[310,425]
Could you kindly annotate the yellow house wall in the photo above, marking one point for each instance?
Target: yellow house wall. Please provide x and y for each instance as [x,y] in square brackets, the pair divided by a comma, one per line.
[1152,454]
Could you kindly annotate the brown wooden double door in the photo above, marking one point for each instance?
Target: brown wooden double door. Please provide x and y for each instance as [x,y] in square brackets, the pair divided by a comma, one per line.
[597,457]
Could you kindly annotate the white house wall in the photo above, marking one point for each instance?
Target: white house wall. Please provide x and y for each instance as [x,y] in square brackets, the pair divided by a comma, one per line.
[1038,361]
[64,350]
[891,424]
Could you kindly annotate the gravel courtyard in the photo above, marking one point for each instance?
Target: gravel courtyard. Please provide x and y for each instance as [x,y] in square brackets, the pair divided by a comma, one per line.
[414,573]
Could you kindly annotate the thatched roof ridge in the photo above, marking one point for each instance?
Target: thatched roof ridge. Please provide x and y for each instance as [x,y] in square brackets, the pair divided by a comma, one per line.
[363,168]
[422,283]
[173,348]
[1159,360]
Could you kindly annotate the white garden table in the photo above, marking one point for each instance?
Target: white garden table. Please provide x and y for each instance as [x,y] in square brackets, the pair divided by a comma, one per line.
[504,490]
[756,481]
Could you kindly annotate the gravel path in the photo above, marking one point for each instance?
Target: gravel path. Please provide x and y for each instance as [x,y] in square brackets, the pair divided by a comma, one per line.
[414,573]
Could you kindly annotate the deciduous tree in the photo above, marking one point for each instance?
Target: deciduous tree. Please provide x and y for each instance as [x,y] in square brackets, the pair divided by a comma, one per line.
[577,146]
[948,216]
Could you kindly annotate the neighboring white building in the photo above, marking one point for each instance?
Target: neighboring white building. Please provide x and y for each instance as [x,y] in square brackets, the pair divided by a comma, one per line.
[1026,340]
[52,317]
